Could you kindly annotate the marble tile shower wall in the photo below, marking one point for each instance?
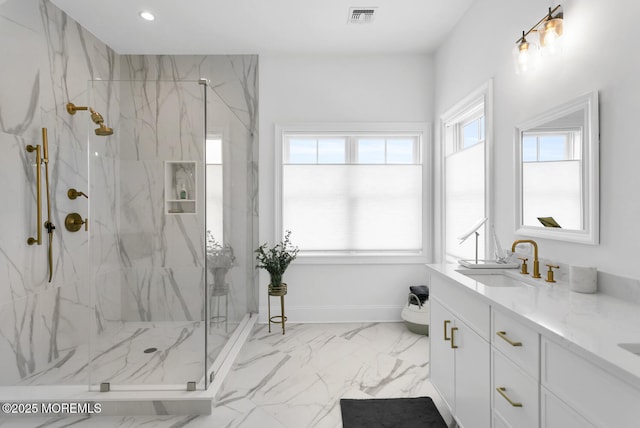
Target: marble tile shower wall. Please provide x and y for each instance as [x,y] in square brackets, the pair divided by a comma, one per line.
[47,60]
[162,118]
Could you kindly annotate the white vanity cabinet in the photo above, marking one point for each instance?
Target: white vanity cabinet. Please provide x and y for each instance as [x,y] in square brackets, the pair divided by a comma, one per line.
[506,356]
[460,352]
[577,393]
[557,414]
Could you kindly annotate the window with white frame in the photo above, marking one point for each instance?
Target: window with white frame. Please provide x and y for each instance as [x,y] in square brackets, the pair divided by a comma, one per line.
[465,177]
[355,193]
[551,146]
[214,186]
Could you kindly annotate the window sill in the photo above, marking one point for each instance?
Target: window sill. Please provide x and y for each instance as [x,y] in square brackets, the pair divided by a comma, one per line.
[361,259]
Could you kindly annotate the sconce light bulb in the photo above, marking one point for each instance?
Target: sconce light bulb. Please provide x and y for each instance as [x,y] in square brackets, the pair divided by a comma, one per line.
[523,55]
[551,35]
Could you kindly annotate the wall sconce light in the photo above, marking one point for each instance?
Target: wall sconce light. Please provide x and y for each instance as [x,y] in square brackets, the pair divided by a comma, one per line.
[544,38]
[526,53]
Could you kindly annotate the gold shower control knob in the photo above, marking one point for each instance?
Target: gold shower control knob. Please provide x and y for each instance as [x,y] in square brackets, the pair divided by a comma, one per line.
[73,222]
[73,194]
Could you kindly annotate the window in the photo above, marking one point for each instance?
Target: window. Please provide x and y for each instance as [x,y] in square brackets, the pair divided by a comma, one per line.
[353,193]
[213,159]
[472,131]
[465,176]
[551,146]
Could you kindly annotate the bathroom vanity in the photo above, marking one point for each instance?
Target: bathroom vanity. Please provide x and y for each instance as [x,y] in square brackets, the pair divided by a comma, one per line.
[511,351]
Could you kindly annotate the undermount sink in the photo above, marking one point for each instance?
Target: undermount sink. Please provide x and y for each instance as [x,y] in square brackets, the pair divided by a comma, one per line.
[496,280]
[634,348]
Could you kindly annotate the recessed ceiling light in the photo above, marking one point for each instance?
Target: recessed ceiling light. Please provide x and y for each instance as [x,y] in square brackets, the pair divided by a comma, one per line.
[147,16]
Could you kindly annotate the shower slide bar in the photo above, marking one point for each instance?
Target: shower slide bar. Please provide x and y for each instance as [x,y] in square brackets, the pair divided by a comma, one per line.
[38,239]
[42,156]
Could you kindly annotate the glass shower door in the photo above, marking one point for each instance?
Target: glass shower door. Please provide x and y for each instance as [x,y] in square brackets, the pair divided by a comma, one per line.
[147,245]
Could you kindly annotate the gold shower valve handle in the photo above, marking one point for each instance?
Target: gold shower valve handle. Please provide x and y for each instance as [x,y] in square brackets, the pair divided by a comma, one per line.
[73,194]
[73,222]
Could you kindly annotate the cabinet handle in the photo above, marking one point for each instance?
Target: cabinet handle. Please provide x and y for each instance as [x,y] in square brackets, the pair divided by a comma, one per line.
[502,391]
[446,323]
[453,330]
[503,335]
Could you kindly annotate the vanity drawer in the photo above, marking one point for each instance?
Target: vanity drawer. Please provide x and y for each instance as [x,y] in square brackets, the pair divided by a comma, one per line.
[465,305]
[515,394]
[517,341]
[601,398]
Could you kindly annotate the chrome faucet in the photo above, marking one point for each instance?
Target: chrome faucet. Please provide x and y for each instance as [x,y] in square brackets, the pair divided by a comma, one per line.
[536,263]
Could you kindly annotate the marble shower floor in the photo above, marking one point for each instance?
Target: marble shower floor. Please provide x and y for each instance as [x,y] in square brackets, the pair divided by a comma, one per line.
[118,355]
[297,380]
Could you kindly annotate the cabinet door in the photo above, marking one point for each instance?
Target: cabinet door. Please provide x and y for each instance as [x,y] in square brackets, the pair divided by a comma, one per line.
[601,398]
[472,380]
[442,362]
[556,414]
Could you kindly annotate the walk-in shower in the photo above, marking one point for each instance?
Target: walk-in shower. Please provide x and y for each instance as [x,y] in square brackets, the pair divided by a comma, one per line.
[171,262]
[167,218]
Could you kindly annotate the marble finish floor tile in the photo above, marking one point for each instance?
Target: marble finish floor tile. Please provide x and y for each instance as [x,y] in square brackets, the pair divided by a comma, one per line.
[296,380]
[118,355]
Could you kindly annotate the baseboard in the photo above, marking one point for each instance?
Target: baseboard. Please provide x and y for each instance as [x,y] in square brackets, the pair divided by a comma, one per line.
[337,314]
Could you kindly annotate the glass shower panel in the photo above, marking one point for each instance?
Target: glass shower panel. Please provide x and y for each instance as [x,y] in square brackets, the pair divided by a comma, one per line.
[147,237]
[231,188]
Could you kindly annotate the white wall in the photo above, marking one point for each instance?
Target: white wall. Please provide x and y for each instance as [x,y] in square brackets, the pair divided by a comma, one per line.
[339,89]
[600,54]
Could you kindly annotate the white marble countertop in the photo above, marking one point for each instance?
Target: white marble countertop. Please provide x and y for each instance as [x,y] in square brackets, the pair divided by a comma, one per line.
[591,325]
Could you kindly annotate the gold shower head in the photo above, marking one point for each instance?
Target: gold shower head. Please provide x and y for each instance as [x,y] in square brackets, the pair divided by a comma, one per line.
[96,117]
[103,130]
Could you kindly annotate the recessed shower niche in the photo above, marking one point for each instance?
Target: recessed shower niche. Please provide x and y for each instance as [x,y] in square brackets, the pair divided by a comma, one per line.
[180,187]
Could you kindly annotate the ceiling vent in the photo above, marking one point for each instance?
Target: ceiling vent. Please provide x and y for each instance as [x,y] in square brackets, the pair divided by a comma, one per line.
[361,15]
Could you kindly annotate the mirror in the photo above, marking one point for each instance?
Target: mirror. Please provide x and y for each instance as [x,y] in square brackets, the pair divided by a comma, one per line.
[556,161]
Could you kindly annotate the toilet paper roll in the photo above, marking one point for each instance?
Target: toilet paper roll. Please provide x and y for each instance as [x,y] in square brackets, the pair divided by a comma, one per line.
[583,279]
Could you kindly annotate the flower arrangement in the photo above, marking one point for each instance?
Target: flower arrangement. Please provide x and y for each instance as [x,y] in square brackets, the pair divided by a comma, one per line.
[276,259]
[218,256]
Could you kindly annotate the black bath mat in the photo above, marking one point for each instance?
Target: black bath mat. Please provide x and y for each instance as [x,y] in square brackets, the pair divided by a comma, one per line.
[390,413]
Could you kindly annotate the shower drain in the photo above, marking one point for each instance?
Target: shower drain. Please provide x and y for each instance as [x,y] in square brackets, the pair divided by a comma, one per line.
[150,350]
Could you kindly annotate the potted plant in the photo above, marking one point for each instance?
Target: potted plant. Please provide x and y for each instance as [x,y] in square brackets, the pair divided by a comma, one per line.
[275,260]
[219,260]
